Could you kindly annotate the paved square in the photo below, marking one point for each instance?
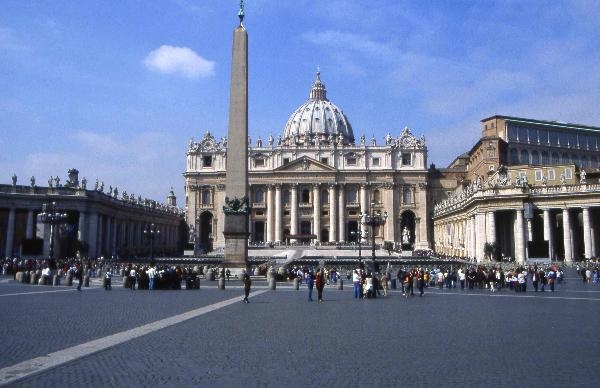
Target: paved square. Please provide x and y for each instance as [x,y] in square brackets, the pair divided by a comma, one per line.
[447,337]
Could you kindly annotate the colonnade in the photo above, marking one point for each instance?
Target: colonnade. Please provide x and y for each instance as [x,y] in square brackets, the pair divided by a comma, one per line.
[102,233]
[466,235]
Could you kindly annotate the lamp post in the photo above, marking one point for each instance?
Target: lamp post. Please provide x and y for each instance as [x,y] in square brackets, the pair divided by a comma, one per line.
[51,216]
[151,232]
[373,219]
[359,236]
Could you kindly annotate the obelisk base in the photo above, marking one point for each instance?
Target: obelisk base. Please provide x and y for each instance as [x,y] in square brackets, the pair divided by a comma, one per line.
[236,243]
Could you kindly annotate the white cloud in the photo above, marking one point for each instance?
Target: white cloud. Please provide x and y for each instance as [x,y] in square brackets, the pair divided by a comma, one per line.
[179,60]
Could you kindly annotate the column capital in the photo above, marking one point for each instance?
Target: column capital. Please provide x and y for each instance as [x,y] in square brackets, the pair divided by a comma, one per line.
[332,185]
[316,185]
[277,186]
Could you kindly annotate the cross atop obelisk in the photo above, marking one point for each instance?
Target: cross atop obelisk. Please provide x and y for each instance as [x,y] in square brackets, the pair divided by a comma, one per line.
[236,207]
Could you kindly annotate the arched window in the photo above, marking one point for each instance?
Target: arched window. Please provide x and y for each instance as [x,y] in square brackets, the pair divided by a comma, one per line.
[514,156]
[376,196]
[555,158]
[565,158]
[259,196]
[524,159]
[305,196]
[351,195]
[545,157]
[535,158]
[325,196]
[206,197]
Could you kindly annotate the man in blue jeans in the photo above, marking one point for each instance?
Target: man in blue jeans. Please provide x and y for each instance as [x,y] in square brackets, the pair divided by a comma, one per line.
[310,282]
[356,280]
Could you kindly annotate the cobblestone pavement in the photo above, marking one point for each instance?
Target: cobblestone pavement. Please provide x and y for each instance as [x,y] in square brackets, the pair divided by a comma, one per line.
[447,337]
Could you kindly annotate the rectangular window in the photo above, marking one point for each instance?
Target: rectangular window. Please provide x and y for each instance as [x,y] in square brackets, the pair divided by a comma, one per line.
[551,175]
[406,159]
[325,160]
[522,174]
[259,213]
[351,161]
[376,162]
[207,161]
[568,173]
[259,162]
[325,213]
[286,160]
[352,213]
[538,175]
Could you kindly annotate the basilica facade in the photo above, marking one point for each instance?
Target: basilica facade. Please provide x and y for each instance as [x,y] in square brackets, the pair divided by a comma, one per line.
[315,183]
[527,189]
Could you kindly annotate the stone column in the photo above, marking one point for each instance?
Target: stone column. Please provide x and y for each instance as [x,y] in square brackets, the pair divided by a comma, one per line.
[278,213]
[317,211]
[342,213]
[113,240]
[480,236]
[364,205]
[93,235]
[567,236]
[473,237]
[270,211]
[332,213]
[587,234]
[294,210]
[548,232]
[82,228]
[491,227]
[10,233]
[519,237]
[391,209]
[100,242]
[30,225]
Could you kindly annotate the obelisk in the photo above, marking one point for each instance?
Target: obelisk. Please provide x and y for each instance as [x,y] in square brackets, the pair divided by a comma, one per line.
[236,207]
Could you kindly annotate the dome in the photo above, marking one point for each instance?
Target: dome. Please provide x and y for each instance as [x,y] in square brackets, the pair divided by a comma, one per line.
[318,120]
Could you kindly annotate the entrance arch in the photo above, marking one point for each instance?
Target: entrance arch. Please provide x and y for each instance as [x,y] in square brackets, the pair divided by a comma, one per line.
[205,222]
[407,221]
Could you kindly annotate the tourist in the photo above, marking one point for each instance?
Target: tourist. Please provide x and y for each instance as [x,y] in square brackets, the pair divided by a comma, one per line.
[310,282]
[384,283]
[108,280]
[320,283]
[132,278]
[79,275]
[247,284]
[151,272]
[356,281]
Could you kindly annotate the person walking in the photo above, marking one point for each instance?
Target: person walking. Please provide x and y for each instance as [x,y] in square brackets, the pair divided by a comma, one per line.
[132,278]
[108,280]
[356,281]
[310,282]
[79,275]
[384,283]
[320,283]
[247,284]
[151,276]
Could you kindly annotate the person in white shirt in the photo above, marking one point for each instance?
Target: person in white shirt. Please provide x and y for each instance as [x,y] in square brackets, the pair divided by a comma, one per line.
[132,278]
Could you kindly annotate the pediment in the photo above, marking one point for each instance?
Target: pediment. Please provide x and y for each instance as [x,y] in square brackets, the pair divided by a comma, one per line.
[305,164]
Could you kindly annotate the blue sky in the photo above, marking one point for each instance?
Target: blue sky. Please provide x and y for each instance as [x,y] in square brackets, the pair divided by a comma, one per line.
[116,88]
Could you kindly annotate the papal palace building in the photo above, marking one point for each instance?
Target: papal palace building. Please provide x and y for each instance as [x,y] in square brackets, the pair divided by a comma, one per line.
[528,187]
